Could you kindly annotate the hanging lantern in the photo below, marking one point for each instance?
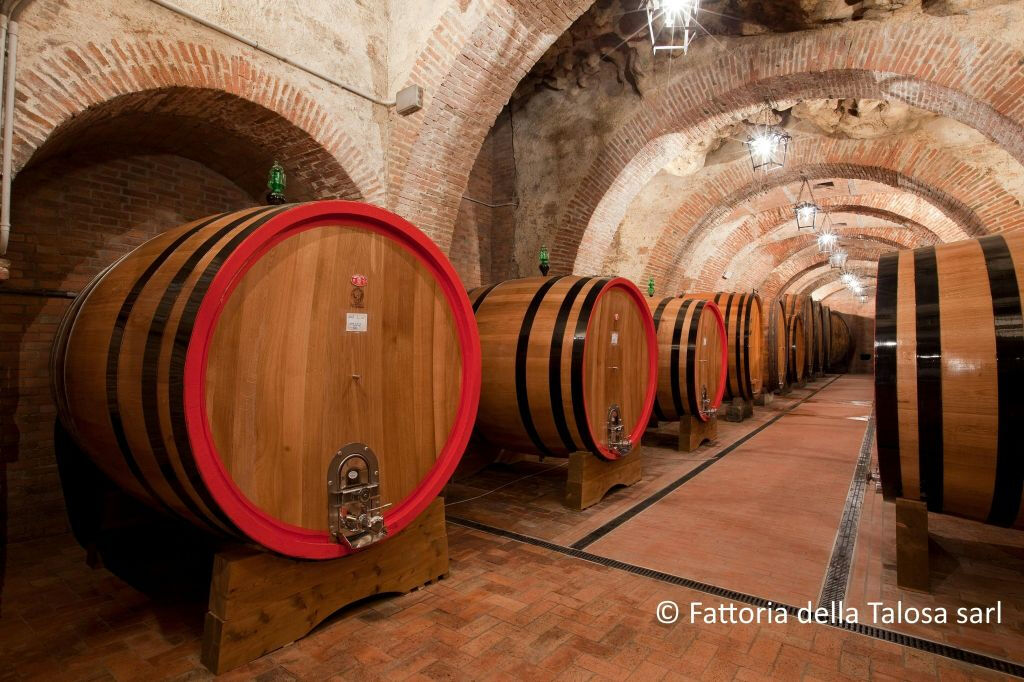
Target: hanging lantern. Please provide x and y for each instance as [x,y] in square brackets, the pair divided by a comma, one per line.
[545,261]
[672,23]
[767,143]
[837,260]
[806,210]
[827,242]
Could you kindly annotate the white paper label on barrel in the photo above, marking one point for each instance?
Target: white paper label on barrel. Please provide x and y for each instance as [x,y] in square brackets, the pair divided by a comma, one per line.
[355,322]
[615,338]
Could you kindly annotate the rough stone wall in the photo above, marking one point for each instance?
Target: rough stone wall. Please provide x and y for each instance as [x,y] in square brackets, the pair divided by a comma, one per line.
[482,243]
[471,251]
[74,218]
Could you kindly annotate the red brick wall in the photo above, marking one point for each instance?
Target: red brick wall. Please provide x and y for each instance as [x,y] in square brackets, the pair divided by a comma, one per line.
[503,218]
[70,220]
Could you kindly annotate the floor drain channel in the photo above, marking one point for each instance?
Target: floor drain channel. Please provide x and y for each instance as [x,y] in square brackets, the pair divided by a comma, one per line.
[837,577]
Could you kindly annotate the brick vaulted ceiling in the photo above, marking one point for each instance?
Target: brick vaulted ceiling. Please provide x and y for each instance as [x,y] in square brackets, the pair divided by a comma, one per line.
[909,120]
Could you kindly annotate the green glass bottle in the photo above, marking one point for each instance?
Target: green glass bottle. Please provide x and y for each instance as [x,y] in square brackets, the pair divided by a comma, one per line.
[276,182]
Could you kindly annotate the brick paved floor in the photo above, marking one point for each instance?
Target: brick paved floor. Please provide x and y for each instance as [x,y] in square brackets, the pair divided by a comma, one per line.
[508,612]
[972,565]
[762,520]
[533,506]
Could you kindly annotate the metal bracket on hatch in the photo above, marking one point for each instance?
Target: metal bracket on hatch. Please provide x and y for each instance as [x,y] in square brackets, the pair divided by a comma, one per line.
[617,442]
[353,497]
[705,403]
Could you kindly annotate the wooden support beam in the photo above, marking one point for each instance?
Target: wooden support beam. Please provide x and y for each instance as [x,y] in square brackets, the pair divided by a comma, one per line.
[591,477]
[912,572]
[261,601]
[693,432]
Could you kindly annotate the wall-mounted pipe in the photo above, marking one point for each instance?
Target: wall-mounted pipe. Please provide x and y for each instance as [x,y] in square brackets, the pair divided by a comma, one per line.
[8,136]
[11,10]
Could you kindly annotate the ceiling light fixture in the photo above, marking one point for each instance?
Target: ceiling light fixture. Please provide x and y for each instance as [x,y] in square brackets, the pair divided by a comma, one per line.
[806,210]
[678,18]
[767,143]
[837,261]
[827,242]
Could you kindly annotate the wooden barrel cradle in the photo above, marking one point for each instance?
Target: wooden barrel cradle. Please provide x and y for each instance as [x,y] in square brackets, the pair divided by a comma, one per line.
[949,367]
[563,358]
[840,342]
[776,348]
[743,315]
[799,304]
[220,369]
[797,363]
[692,358]
[818,349]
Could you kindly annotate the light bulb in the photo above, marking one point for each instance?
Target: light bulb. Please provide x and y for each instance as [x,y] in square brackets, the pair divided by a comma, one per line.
[763,145]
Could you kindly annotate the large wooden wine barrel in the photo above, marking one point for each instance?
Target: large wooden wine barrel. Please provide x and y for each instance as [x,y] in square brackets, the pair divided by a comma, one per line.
[776,348]
[826,336]
[744,329]
[817,337]
[797,339]
[563,358]
[840,342]
[692,358]
[949,367]
[799,304]
[219,370]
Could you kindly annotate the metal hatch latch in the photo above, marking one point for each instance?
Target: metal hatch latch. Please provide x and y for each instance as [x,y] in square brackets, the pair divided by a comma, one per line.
[353,497]
[705,403]
[617,442]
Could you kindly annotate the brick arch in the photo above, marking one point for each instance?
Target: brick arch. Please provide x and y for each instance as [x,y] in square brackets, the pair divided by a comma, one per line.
[969,80]
[768,257]
[469,69]
[782,256]
[781,279]
[67,82]
[904,214]
[896,208]
[972,200]
[823,286]
[814,279]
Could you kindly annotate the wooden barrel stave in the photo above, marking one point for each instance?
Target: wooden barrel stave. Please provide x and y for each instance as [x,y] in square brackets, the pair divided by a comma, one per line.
[799,304]
[776,348]
[818,347]
[840,342]
[548,359]
[826,337]
[796,339]
[949,363]
[692,357]
[182,392]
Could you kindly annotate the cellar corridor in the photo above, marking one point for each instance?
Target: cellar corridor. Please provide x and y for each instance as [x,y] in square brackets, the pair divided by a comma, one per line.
[535,589]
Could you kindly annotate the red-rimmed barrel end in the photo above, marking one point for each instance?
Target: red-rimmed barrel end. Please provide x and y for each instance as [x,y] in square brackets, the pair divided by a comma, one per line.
[652,365]
[723,374]
[253,522]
